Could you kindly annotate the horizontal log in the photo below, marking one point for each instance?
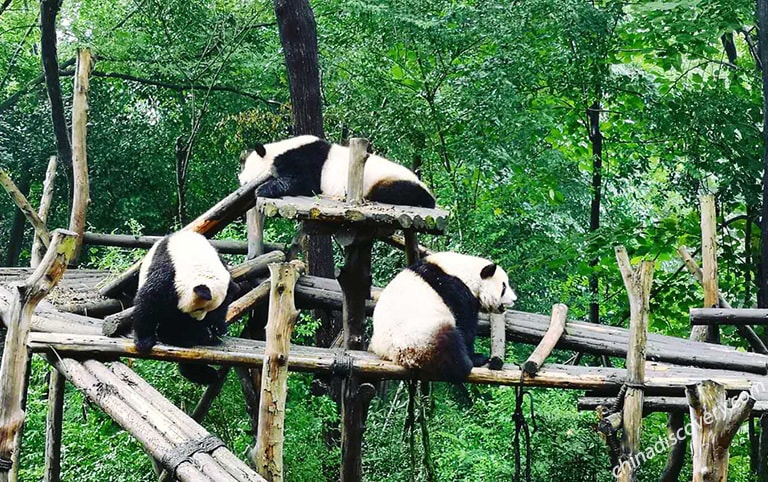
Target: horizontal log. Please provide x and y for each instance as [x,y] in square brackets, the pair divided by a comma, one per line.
[244,352]
[732,316]
[224,246]
[607,340]
[656,404]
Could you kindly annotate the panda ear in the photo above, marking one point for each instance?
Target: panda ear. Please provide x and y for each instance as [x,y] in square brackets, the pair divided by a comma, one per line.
[260,150]
[488,271]
[203,292]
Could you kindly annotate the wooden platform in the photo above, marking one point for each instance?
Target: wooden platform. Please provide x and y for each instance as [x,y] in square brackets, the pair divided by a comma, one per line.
[374,215]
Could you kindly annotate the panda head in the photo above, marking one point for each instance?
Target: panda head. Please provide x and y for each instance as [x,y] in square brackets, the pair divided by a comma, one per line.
[494,292]
[200,301]
[253,163]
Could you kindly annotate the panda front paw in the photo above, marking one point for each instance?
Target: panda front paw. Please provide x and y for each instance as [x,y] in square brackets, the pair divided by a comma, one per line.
[478,359]
[145,344]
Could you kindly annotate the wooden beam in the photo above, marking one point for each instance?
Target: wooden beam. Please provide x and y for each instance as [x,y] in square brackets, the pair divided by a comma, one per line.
[224,246]
[15,352]
[711,333]
[498,341]
[358,154]
[80,196]
[655,404]
[267,457]
[745,331]
[732,316]
[53,427]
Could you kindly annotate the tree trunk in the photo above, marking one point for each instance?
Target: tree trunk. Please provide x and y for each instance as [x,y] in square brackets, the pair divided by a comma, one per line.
[596,138]
[16,237]
[762,23]
[48,11]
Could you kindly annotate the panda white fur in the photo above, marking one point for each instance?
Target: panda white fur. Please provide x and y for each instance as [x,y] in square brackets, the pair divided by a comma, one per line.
[308,165]
[182,298]
[426,317]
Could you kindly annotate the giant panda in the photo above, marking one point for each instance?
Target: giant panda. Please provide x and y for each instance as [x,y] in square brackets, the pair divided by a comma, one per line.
[184,291]
[426,317]
[307,165]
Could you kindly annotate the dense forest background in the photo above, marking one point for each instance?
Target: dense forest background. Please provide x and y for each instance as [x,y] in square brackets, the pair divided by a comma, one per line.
[552,130]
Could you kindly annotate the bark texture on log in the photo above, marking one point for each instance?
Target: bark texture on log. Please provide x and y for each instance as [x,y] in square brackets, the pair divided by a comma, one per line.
[638,284]
[268,453]
[714,423]
[38,248]
[53,427]
[548,342]
[15,352]
[80,196]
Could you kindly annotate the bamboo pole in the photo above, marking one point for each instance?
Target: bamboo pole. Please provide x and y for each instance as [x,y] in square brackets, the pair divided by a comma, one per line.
[548,342]
[638,284]
[268,453]
[79,157]
[29,212]
[38,249]
[53,427]
[15,353]
[714,423]
[746,331]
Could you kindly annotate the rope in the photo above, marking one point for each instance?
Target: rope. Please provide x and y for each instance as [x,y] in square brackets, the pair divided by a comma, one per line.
[521,425]
[184,452]
[5,464]
[342,365]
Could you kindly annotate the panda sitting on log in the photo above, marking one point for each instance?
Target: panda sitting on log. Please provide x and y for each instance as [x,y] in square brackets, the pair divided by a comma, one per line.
[426,317]
[183,296]
[308,165]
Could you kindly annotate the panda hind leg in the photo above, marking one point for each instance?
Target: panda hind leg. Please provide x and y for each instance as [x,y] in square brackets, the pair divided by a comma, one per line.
[449,358]
[200,374]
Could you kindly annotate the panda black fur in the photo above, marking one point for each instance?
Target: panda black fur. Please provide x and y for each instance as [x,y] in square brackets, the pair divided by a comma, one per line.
[426,317]
[308,165]
[184,291]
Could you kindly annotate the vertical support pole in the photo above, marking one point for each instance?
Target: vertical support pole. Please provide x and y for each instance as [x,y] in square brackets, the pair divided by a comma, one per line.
[714,422]
[80,196]
[638,284]
[15,352]
[268,453]
[762,454]
[38,249]
[358,154]
[498,341]
[709,261]
[19,438]
[411,247]
[676,457]
[355,281]
[254,221]
[53,422]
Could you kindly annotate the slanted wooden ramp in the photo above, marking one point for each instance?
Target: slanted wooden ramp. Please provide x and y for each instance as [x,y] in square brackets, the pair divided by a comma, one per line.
[181,445]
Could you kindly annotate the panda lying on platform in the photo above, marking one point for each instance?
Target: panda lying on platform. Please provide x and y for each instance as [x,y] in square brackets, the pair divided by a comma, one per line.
[183,296]
[308,165]
[426,317]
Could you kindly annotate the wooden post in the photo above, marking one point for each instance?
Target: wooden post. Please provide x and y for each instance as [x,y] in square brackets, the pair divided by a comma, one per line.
[15,352]
[80,196]
[358,154]
[746,331]
[548,342]
[267,456]
[29,212]
[498,341]
[254,221]
[714,422]
[411,243]
[38,249]
[638,284]
[676,457]
[762,452]
[710,333]
[52,471]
